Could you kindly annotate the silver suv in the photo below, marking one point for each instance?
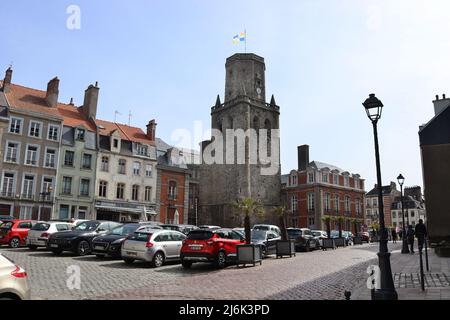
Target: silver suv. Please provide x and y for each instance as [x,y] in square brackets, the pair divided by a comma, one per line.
[154,246]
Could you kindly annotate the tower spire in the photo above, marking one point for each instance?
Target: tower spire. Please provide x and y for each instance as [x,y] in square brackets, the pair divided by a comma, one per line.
[218,103]
[272,101]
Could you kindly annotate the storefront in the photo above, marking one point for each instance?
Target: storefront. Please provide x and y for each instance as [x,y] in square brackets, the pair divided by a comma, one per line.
[124,211]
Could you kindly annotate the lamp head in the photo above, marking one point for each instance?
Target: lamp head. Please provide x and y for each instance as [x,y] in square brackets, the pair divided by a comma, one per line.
[373,107]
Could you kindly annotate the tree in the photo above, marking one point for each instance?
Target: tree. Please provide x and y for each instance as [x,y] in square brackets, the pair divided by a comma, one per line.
[281,213]
[327,220]
[249,207]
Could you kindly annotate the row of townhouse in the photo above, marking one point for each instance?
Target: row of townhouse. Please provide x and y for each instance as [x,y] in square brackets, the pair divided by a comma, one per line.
[58,161]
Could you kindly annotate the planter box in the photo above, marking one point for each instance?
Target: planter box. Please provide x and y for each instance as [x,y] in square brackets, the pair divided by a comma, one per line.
[285,248]
[339,242]
[328,244]
[442,251]
[357,240]
[248,254]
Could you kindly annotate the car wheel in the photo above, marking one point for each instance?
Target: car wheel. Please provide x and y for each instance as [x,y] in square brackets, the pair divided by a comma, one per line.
[57,251]
[14,242]
[31,247]
[221,259]
[128,260]
[83,248]
[158,260]
[186,264]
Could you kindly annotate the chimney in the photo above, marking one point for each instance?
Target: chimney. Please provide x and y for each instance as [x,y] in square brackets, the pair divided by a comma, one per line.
[52,92]
[91,101]
[303,157]
[440,104]
[151,130]
[7,80]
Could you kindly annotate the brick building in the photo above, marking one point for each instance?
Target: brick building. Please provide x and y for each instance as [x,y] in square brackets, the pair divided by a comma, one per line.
[390,193]
[317,190]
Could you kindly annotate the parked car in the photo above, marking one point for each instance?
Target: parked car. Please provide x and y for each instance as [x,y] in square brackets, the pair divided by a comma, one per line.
[364,236]
[15,232]
[152,224]
[13,281]
[4,218]
[39,233]
[345,234]
[303,238]
[110,243]
[213,246]
[154,246]
[241,231]
[207,227]
[183,228]
[267,227]
[267,240]
[79,239]
[320,235]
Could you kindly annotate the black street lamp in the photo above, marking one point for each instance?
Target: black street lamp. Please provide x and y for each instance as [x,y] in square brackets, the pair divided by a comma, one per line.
[387,291]
[405,249]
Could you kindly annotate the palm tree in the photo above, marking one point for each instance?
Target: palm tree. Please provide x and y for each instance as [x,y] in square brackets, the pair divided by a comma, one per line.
[249,207]
[281,213]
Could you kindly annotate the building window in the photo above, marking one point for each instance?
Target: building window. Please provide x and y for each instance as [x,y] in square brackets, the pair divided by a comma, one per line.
[311,205]
[394,215]
[122,166]
[311,222]
[412,214]
[47,185]
[135,192]
[346,181]
[311,177]
[102,188]
[368,212]
[142,150]
[357,184]
[26,212]
[368,202]
[31,157]
[15,125]
[120,190]
[116,143]
[50,156]
[68,158]
[53,132]
[335,179]
[148,194]
[67,185]
[64,212]
[326,202]
[28,187]
[358,206]
[35,129]
[79,134]
[336,202]
[294,203]
[347,204]
[172,190]
[136,168]
[84,187]
[8,184]
[82,212]
[375,202]
[325,177]
[294,180]
[12,152]
[87,161]
[148,170]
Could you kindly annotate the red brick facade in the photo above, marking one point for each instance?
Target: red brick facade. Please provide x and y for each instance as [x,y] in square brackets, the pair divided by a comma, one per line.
[174,200]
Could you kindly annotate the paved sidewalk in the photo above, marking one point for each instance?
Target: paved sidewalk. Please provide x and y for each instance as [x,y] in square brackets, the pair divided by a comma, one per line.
[406,272]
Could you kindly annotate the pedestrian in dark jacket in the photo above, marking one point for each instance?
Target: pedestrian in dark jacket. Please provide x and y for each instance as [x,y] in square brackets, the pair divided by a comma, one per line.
[410,238]
[394,236]
[421,233]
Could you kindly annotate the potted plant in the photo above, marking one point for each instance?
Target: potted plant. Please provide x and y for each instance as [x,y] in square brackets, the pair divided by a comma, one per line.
[285,246]
[329,242]
[248,253]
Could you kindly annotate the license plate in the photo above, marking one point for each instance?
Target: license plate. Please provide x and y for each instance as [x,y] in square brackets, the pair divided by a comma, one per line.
[195,247]
[98,248]
[54,246]
[131,253]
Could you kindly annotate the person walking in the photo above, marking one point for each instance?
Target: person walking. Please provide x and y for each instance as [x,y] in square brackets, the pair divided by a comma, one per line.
[410,238]
[421,233]
[394,236]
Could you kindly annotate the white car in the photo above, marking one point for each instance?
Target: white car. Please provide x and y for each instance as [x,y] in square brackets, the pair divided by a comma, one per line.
[267,227]
[13,281]
[319,235]
[39,233]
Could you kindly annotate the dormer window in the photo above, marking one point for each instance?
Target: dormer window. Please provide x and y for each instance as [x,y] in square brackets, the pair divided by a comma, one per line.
[116,143]
[79,135]
[142,150]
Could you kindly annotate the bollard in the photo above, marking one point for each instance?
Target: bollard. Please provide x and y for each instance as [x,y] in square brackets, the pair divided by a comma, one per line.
[347,295]
[422,280]
[426,254]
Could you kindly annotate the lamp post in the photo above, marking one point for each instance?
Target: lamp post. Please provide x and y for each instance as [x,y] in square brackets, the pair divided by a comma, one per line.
[387,291]
[405,249]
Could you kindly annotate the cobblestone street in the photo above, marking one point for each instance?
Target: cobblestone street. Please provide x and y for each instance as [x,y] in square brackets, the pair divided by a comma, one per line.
[309,275]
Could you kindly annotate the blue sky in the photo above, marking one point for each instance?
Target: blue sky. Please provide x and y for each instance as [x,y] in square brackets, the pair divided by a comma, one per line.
[165,60]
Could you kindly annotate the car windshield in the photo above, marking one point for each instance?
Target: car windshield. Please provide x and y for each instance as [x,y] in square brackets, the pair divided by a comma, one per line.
[259,235]
[140,236]
[200,235]
[124,230]
[261,228]
[334,233]
[294,232]
[40,226]
[87,226]
[316,233]
[6,225]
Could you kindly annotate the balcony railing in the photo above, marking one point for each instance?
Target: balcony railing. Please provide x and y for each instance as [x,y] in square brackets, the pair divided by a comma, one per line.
[27,196]
[7,194]
[171,196]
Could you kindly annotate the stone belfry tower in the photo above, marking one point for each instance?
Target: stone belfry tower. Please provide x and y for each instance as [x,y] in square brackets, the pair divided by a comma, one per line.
[241,174]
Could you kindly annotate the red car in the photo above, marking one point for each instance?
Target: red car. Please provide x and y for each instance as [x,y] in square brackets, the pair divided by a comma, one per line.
[214,246]
[14,233]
